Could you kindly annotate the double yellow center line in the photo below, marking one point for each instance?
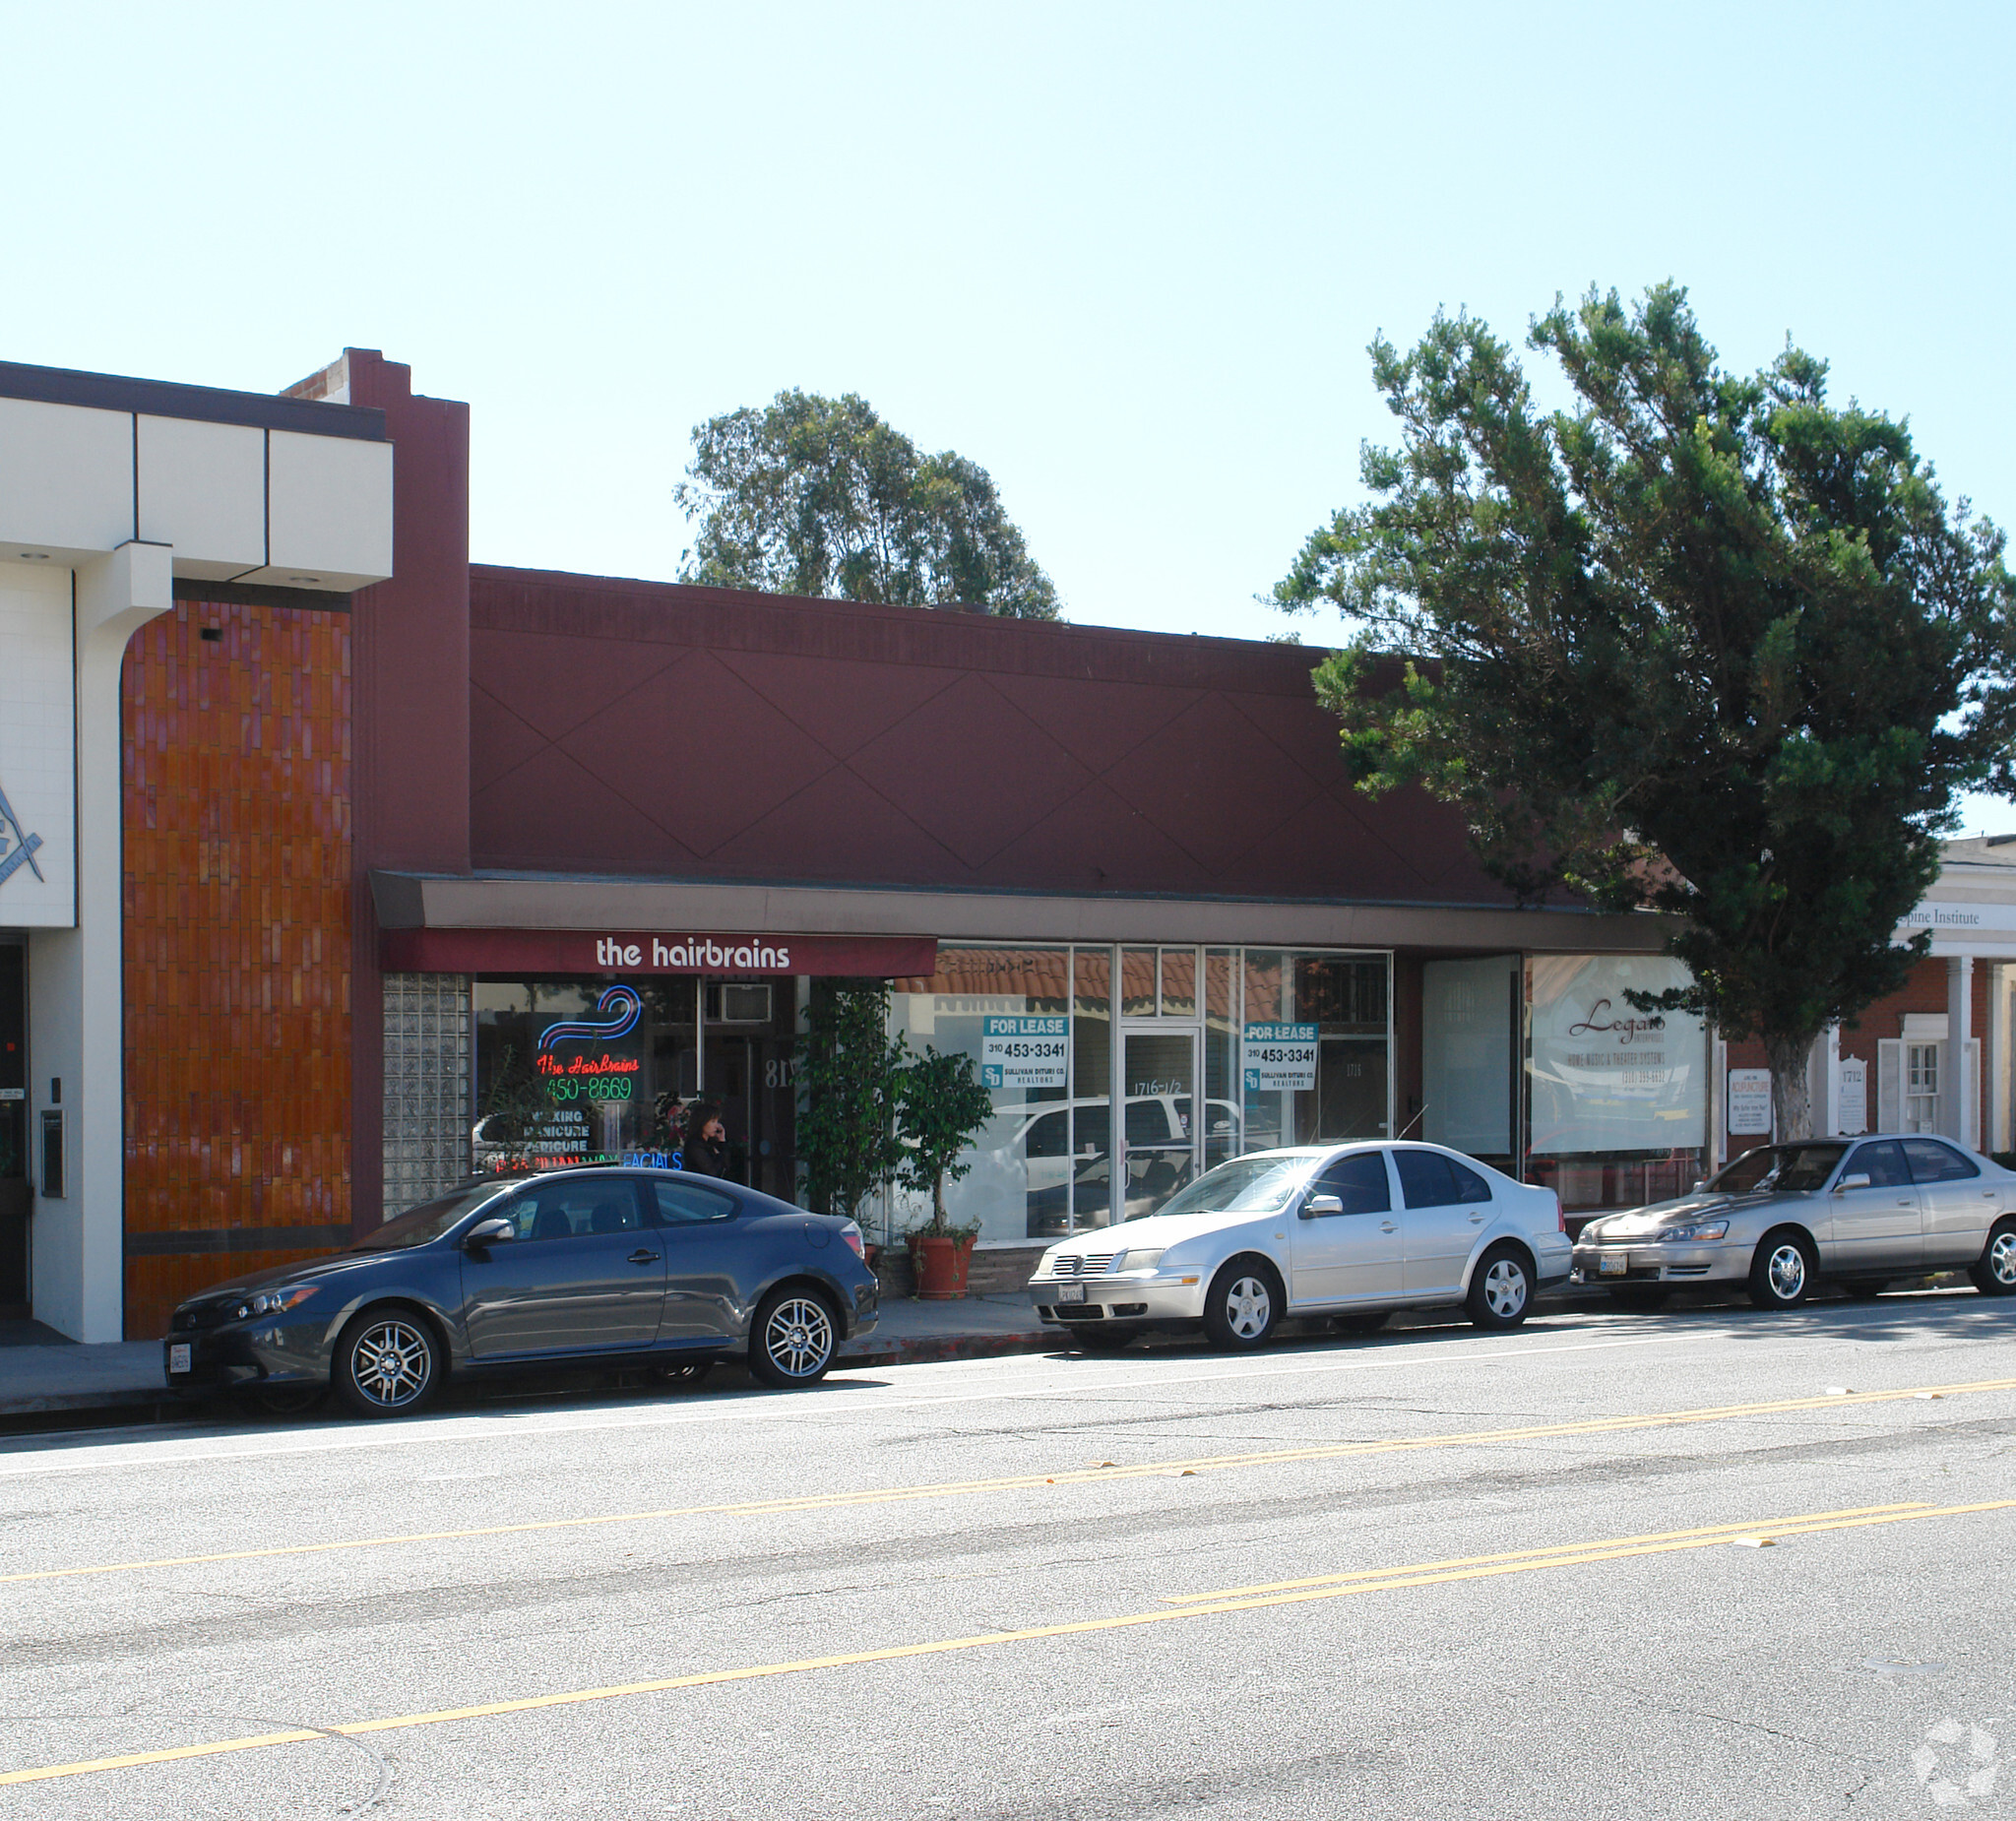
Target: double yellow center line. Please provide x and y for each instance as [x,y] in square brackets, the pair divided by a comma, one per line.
[1176,1609]
[1107,1473]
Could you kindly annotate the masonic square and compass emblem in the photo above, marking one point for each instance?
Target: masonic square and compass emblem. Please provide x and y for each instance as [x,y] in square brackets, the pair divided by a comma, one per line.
[22,845]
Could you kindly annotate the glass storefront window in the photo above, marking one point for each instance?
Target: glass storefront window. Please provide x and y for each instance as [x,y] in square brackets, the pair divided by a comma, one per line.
[1091,1073]
[579,1071]
[1138,984]
[1045,1164]
[1262,1110]
[1021,1180]
[1470,1013]
[1221,1100]
[1616,1098]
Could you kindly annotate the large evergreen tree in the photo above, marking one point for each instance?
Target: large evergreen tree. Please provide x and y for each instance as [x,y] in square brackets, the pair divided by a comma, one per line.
[819,496]
[1702,643]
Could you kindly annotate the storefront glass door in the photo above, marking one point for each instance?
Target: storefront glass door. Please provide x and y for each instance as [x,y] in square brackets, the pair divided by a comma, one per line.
[1160,1128]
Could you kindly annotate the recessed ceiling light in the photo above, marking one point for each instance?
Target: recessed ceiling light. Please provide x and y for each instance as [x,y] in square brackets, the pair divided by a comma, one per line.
[34,556]
[306,581]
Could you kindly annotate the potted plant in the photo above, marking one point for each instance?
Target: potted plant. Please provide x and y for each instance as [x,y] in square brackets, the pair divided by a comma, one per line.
[942,1105]
[850,1075]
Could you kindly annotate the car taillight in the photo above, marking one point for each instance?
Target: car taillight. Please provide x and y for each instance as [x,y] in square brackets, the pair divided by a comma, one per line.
[1560,1217]
[852,1236]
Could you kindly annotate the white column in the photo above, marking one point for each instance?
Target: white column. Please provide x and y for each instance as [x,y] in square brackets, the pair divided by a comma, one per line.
[1955,1116]
[1995,1060]
[78,975]
[1830,1082]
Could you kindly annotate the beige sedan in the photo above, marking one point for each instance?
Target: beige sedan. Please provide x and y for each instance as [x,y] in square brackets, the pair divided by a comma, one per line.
[1859,1212]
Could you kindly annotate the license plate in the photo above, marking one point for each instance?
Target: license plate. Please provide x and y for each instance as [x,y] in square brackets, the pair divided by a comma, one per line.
[1070,1293]
[179,1356]
[1613,1264]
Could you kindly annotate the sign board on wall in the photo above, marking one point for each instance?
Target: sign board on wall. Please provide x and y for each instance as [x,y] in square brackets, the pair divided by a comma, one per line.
[1854,1079]
[1025,1052]
[37,749]
[1604,1075]
[1749,1102]
[1279,1058]
[538,954]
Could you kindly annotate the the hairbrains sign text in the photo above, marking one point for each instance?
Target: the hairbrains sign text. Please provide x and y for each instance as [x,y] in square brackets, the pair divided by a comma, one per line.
[1278,1057]
[1025,1052]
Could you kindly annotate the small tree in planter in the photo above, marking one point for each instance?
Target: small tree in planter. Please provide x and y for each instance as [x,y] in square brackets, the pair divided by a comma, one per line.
[941,1109]
[849,1078]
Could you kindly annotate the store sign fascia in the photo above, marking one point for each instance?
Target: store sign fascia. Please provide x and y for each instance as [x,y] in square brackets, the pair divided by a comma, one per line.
[533,954]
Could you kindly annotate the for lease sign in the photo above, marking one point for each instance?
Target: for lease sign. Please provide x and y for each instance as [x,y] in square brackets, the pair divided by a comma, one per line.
[1025,1052]
[1278,1057]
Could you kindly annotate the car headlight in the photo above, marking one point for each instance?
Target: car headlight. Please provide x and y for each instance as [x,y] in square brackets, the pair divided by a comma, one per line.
[272,1301]
[1141,1259]
[1704,1229]
[1590,1229]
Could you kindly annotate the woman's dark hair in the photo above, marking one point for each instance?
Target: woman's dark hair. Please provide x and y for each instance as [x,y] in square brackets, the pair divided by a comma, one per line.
[699,1116]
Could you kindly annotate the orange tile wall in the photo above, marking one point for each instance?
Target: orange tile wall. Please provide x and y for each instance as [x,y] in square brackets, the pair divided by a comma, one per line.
[237,831]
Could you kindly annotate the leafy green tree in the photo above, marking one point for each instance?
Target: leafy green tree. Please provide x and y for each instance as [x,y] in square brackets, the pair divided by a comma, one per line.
[819,496]
[943,1105]
[1702,643]
[849,1078]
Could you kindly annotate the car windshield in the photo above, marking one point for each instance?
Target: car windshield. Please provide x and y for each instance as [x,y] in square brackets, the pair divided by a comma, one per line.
[1785,1167]
[1245,1185]
[429,1220]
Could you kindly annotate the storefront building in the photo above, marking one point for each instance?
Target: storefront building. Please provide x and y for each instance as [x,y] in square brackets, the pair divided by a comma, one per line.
[397,844]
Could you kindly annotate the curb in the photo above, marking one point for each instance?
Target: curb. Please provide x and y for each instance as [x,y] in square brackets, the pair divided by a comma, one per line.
[950,1347]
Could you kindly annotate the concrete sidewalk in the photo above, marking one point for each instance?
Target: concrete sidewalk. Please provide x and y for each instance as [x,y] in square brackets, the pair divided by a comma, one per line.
[44,1377]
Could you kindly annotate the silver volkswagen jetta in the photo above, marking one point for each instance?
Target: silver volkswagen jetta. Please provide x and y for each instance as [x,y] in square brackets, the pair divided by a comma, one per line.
[1859,1212]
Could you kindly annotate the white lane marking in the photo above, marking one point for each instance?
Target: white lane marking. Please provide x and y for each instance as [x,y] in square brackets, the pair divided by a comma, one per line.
[754,1408]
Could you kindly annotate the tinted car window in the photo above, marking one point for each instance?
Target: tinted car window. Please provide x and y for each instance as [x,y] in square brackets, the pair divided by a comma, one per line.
[1932,1162]
[574,1208]
[1469,1186]
[682,1204]
[429,1220]
[1746,1172]
[1426,1179]
[1882,1163]
[1358,1182]
[1244,1185]
[1783,1167]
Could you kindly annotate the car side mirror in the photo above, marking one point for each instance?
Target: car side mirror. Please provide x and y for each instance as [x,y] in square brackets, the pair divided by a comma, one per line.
[1314,1205]
[1858,1180]
[490,1233]
[1700,1183]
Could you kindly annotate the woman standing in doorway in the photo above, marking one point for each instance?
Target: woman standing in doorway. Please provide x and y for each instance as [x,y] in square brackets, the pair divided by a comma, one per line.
[706,1149]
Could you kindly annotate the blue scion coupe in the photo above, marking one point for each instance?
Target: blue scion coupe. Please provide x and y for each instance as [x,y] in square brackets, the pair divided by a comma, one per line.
[580,1267]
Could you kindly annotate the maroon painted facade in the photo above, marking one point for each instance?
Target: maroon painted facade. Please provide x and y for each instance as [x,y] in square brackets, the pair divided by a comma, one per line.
[647,728]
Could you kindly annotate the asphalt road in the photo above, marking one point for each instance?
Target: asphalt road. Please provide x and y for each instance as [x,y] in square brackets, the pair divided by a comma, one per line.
[1437,1573]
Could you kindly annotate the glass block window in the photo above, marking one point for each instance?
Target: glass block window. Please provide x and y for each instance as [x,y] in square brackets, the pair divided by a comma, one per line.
[427,1094]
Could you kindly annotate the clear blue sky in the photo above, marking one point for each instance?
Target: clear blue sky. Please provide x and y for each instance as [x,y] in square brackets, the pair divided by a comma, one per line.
[1126,257]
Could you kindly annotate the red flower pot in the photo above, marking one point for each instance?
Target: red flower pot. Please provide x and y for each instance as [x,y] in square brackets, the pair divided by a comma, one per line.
[940,1262]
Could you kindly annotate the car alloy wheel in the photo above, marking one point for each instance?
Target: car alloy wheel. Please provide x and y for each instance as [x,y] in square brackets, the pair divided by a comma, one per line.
[1247,1307]
[1995,1275]
[1243,1307]
[793,1339]
[1500,1289]
[1781,1274]
[386,1364]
